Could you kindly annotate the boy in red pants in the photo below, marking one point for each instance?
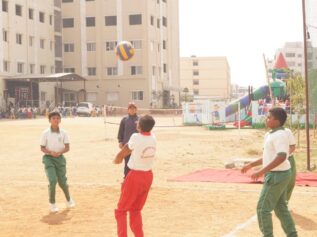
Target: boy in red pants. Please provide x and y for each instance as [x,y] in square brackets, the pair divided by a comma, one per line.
[136,186]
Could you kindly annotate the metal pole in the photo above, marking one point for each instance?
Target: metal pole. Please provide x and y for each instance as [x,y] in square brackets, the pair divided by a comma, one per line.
[306,85]
[268,80]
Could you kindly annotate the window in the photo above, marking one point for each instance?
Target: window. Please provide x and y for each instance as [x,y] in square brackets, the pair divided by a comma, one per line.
[164,44]
[6,66]
[31,14]
[137,44]
[42,69]
[90,21]
[164,21]
[18,10]
[51,20]
[135,19]
[20,67]
[153,70]
[299,55]
[195,63]
[91,46]
[112,71]
[91,71]
[68,48]
[41,17]
[68,22]
[195,82]
[196,92]
[111,20]
[136,70]
[19,38]
[51,45]
[31,39]
[152,20]
[5,35]
[137,95]
[164,67]
[67,1]
[299,64]
[90,0]
[42,43]
[4,6]
[111,45]
[32,68]
[158,23]
[164,1]
[290,55]
[69,70]
[196,73]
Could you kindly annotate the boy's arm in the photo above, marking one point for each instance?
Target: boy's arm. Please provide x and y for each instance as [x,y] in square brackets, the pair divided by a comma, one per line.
[45,150]
[279,159]
[250,165]
[125,151]
[291,149]
[66,149]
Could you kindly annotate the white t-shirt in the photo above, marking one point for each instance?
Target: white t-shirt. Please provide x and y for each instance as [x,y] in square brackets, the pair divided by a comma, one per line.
[291,137]
[143,151]
[54,141]
[276,142]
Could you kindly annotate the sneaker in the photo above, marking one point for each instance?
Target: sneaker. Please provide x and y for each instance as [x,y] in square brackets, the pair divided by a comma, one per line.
[53,207]
[70,203]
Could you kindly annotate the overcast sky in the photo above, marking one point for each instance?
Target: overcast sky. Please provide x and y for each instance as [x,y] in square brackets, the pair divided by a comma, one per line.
[241,30]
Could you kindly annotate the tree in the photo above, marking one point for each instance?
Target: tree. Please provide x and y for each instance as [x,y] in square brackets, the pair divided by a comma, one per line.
[296,91]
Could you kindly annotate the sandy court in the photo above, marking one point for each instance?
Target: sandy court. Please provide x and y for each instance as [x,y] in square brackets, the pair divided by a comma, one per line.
[173,209]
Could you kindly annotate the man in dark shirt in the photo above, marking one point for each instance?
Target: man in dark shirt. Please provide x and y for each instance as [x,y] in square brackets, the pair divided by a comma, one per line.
[127,128]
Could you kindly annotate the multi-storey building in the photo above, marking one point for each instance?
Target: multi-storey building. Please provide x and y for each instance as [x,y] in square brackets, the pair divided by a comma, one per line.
[293,53]
[91,31]
[207,77]
[27,45]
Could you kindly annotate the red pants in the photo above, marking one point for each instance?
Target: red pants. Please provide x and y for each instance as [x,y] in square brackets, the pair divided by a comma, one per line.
[134,191]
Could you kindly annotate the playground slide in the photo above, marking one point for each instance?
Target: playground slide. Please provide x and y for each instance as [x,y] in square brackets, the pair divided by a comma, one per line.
[245,101]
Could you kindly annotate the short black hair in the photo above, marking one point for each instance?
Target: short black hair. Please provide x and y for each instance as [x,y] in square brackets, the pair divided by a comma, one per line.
[279,114]
[54,113]
[146,123]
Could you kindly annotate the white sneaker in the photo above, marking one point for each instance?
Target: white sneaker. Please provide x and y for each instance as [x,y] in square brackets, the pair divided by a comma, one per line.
[70,203]
[53,207]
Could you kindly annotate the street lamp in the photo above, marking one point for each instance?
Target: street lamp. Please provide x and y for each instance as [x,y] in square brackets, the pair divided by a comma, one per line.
[185,90]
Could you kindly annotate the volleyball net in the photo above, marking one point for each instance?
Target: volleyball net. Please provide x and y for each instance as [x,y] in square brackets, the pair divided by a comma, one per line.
[163,117]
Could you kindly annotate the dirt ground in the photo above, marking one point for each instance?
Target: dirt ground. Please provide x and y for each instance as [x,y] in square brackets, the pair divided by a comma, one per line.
[172,209]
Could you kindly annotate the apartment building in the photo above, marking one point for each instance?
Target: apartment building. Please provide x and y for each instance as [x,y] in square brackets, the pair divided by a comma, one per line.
[293,53]
[91,31]
[27,46]
[205,77]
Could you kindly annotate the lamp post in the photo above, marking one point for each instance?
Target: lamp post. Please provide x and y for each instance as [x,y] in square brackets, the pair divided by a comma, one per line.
[185,90]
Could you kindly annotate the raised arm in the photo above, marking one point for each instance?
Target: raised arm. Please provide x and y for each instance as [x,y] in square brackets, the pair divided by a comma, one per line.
[125,151]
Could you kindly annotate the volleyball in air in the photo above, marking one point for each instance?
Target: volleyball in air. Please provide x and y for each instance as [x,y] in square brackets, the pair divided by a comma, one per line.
[124,50]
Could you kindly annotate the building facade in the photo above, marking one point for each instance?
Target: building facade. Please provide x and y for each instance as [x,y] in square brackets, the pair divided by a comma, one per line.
[27,45]
[91,31]
[293,53]
[207,77]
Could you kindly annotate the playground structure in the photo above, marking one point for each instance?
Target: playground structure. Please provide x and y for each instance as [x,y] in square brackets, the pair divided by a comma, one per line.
[249,110]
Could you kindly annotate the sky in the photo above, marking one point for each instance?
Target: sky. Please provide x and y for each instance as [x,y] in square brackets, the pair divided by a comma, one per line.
[241,30]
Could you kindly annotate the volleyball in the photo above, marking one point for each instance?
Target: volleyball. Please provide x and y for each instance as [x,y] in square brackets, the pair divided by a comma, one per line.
[124,50]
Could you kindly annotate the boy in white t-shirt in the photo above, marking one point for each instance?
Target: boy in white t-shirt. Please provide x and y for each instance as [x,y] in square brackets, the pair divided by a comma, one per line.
[276,169]
[54,143]
[136,186]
